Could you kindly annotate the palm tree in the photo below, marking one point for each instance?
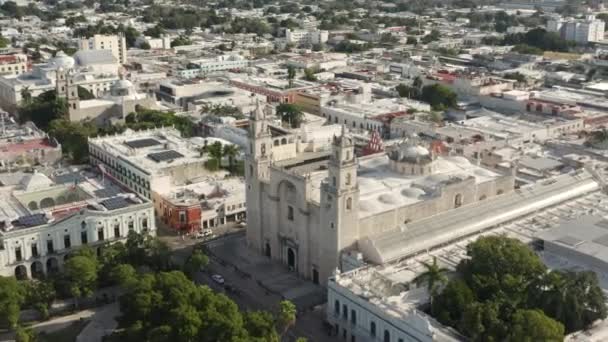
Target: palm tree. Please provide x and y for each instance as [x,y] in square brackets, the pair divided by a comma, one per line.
[26,95]
[291,74]
[231,151]
[434,276]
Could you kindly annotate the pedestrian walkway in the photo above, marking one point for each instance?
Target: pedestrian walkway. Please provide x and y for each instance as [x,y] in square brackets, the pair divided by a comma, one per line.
[102,323]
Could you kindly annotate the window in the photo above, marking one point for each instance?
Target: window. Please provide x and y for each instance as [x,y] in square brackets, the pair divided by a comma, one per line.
[18,255]
[337,307]
[117,230]
[144,223]
[84,239]
[353,316]
[387,336]
[349,203]
[100,236]
[131,225]
[67,243]
[457,200]
[334,181]
[344,311]
[290,213]
[372,329]
[34,250]
[182,217]
[348,179]
[49,246]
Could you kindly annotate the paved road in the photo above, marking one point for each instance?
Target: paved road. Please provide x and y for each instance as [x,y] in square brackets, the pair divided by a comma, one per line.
[250,296]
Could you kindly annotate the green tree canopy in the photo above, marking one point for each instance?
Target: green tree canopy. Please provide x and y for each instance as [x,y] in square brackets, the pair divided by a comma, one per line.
[81,274]
[503,292]
[11,298]
[291,114]
[438,96]
[534,325]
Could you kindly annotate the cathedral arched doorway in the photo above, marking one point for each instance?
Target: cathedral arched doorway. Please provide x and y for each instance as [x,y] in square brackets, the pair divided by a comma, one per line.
[291,259]
[267,250]
[52,265]
[21,272]
[37,270]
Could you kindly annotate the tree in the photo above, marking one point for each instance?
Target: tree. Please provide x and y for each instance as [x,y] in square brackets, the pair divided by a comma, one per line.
[449,305]
[196,262]
[260,325]
[145,46]
[309,75]
[39,295]
[534,325]
[181,40]
[434,276]
[431,37]
[500,266]
[291,74]
[438,96]
[26,95]
[575,299]
[231,151]
[406,91]
[155,32]
[411,41]
[168,306]
[124,275]
[43,109]
[81,274]
[286,316]
[25,335]
[291,114]
[216,152]
[73,137]
[11,299]
[85,94]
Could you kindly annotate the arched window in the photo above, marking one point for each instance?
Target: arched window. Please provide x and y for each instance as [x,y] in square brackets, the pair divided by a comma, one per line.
[344,311]
[337,307]
[353,316]
[283,141]
[263,149]
[276,142]
[387,336]
[372,329]
[457,200]
[349,203]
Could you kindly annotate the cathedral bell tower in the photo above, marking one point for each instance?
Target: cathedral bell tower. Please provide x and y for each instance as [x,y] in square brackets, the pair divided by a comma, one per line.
[339,204]
[257,174]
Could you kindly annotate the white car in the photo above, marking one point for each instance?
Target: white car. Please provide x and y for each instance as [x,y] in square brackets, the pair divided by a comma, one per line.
[204,233]
[218,279]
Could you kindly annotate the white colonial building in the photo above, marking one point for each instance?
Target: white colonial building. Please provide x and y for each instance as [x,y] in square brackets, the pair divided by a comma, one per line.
[43,220]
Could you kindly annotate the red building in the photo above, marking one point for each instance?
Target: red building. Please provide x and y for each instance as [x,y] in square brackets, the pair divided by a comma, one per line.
[184,217]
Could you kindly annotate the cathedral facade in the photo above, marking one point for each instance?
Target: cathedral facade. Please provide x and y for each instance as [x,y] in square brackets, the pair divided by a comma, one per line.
[306,209]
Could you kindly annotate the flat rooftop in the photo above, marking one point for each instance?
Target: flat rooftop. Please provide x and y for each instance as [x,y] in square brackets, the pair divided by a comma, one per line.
[152,151]
[37,199]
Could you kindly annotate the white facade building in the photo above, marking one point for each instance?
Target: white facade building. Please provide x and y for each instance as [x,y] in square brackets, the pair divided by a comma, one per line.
[313,37]
[116,43]
[43,220]
[581,31]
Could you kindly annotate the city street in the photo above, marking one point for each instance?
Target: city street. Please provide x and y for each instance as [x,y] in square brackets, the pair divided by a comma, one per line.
[247,291]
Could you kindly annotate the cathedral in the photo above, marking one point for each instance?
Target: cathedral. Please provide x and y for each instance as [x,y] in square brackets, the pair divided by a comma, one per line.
[309,209]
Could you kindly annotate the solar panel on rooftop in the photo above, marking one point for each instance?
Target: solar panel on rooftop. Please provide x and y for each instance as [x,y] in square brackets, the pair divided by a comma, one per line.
[141,143]
[165,156]
[115,203]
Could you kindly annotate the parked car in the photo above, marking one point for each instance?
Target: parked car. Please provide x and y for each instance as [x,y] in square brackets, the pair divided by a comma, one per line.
[218,278]
[204,234]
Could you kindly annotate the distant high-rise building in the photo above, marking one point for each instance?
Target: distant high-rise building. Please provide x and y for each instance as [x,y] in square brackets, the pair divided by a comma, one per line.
[585,30]
[116,43]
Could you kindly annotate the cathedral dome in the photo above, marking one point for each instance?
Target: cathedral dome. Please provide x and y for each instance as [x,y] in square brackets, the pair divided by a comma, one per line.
[62,60]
